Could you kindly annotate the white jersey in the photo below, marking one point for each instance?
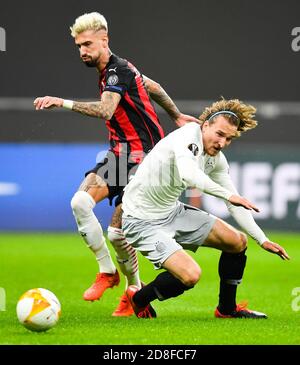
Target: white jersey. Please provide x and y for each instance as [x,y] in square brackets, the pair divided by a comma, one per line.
[177,162]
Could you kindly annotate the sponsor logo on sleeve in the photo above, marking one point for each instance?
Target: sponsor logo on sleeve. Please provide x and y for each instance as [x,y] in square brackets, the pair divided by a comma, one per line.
[112,80]
[193,148]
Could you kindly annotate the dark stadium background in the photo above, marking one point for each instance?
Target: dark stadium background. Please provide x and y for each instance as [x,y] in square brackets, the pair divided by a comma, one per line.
[197,50]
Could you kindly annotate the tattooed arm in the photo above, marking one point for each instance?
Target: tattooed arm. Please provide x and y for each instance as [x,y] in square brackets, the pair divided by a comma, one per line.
[159,95]
[104,108]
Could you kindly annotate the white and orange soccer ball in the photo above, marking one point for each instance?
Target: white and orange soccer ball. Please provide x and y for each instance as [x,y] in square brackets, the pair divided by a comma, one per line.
[38,309]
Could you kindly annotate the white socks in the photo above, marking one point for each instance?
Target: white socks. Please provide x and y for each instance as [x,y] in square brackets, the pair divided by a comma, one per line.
[91,231]
[126,256]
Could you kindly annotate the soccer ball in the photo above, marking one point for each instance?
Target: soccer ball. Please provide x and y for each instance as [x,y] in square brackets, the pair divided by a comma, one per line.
[38,309]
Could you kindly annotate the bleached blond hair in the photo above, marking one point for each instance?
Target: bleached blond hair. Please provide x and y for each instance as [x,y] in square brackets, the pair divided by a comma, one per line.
[88,21]
[245,114]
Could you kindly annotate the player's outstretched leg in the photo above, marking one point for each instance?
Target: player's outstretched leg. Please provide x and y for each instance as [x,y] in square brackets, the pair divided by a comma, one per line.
[128,262]
[91,231]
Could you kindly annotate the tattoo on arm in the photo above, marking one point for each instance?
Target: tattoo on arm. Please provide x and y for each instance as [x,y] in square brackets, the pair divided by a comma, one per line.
[92,109]
[159,95]
[104,108]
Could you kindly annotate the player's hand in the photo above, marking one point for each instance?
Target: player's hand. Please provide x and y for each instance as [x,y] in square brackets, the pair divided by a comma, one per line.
[275,248]
[48,102]
[239,201]
[182,119]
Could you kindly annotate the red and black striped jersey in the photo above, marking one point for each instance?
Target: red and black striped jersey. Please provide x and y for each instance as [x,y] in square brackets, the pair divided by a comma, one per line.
[134,128]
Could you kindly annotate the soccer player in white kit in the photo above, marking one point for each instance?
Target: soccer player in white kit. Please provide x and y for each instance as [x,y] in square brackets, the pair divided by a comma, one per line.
[157,224]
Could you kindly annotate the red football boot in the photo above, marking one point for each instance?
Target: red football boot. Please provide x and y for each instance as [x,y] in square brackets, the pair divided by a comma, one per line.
[144,312]
[103,281]
[241,311]
[124,309]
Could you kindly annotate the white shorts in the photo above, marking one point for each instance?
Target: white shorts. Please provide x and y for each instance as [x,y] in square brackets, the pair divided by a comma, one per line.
[186,228]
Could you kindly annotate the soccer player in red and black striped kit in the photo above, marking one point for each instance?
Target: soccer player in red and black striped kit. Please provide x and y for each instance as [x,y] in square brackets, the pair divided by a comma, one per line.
[134,129]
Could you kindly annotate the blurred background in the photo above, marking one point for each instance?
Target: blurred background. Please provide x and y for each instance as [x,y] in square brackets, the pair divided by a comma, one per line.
[198,50]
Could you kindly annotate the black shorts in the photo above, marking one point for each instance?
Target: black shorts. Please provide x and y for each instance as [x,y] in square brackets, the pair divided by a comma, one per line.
[115,171]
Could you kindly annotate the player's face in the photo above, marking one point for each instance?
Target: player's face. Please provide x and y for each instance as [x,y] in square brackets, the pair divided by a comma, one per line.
[92,46]
[217,135]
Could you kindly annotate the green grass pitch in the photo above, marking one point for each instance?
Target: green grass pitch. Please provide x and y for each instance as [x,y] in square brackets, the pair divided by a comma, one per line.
[62,264]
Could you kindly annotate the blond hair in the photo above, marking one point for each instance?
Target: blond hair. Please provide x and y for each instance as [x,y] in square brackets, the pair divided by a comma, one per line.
[88,21]
[244,112]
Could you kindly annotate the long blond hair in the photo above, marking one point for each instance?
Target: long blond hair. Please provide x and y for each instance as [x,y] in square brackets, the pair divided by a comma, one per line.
[245,114]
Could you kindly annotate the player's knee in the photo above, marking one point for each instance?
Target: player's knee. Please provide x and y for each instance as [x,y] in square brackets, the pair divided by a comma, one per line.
[244,241]
[241,242]
[191,276]
[82,203]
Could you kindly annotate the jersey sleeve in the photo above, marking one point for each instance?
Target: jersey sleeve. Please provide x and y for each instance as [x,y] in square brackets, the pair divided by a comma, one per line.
[187,149]
[118,79]
[242,216]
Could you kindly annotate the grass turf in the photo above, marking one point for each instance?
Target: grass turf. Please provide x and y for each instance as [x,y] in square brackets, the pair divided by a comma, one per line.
[62,264]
